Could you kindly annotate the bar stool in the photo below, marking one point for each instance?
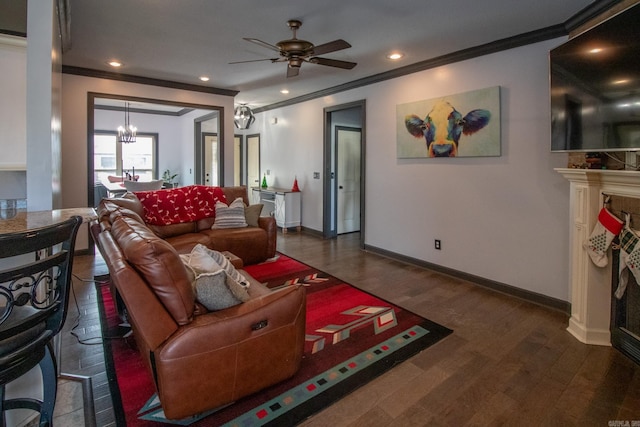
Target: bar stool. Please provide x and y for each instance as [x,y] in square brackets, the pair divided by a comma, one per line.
[34,295]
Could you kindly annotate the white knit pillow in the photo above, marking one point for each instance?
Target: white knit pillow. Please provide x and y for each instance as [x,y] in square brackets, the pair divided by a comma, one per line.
[231,216]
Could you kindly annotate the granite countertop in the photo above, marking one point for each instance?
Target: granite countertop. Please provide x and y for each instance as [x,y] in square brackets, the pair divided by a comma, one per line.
[24,220]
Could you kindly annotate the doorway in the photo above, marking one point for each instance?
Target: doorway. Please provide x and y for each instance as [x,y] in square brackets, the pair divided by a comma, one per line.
[213,167]
[344,165]
[347,178]
[171,122]
[253,161]
[238,169]
[209,151]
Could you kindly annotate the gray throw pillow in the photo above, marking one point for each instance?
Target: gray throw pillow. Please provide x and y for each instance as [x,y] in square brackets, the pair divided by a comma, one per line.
[252,213]
[217,291]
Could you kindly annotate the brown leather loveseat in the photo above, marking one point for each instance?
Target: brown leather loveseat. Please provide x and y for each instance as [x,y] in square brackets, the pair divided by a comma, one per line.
[199,359]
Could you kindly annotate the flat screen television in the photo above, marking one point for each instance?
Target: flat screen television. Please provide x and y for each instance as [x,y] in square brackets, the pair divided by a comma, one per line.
[595,87]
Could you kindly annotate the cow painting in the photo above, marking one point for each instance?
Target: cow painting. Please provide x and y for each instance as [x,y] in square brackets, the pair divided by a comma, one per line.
[443,127]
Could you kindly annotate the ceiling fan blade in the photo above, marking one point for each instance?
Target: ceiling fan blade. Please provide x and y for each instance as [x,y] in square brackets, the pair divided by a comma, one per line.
[261,43]
[292,71]
[333,63]
[256,60]
[330,47]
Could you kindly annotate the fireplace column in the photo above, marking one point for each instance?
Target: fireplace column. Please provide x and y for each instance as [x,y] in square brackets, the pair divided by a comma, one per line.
[590,285]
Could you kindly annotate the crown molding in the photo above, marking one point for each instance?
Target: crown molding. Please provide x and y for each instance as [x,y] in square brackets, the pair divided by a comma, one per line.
[99,74]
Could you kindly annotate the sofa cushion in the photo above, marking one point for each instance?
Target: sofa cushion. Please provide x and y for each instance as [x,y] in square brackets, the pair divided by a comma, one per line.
[166,231]
[231,216]
[252,213]
[248,243]
[180,205]
[159,264]
[184,243]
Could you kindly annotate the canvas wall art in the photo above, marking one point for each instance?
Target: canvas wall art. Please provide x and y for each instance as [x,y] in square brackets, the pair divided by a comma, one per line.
[460,125]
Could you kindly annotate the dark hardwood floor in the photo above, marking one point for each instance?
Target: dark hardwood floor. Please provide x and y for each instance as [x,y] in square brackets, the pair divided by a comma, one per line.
[508,362]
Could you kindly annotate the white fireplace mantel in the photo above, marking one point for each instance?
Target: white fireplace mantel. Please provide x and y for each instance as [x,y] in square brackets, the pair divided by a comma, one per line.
[591,285]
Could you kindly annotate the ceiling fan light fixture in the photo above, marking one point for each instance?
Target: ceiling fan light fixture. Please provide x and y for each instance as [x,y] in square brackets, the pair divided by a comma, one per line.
[243,117]
[295,62]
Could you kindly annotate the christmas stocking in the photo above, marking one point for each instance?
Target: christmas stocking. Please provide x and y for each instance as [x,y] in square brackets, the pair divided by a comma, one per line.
[629,258]
[607,227]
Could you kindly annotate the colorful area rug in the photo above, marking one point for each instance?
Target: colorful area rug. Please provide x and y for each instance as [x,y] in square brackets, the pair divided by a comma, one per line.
[352,337]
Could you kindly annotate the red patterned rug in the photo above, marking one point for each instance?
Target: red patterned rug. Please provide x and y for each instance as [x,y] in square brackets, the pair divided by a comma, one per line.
[352,337]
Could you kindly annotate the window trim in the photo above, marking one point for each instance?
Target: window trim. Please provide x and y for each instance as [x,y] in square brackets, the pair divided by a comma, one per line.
[156,143]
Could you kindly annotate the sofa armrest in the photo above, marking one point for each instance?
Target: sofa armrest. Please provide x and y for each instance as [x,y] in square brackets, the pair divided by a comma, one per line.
[268,223]
[220,329]
[231,353]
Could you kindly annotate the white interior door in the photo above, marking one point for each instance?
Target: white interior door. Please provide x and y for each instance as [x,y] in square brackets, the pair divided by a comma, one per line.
[348,143]
[237,159]
[253,161]
[211,156]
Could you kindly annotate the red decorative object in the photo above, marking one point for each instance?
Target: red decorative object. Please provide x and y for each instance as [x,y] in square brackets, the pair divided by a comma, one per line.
[295,185]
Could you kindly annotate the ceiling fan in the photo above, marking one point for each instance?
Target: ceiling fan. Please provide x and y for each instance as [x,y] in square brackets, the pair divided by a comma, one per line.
[295,51]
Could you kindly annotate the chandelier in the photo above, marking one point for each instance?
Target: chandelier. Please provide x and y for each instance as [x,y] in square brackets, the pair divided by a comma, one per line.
[243,117]
[127,134]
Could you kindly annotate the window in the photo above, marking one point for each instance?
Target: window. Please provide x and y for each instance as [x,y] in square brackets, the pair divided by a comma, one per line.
[112,158]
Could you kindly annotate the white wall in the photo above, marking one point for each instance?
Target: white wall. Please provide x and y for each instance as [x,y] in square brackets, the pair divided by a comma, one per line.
[503,218]
[74,125]
[13,117]
[13,102]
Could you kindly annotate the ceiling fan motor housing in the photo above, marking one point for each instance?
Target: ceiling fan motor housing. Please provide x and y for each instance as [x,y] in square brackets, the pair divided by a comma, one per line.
[295,47]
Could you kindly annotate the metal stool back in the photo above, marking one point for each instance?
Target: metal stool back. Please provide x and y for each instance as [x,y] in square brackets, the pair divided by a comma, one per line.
[34,295]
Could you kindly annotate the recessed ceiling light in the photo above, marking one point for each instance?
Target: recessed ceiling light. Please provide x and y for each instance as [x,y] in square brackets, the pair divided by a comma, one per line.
[394,56]
[115,63]
[596,50]
[284,91]
[204,78]
[620,81]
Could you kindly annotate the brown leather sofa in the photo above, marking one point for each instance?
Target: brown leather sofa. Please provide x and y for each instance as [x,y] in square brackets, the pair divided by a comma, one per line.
[251,244]
[199,360]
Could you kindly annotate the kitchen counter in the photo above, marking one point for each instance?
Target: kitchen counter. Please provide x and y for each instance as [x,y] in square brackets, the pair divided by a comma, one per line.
[24,220]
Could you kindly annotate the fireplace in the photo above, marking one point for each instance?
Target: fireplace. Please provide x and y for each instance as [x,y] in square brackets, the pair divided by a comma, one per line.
[625,305]
[591,299]
[625,315]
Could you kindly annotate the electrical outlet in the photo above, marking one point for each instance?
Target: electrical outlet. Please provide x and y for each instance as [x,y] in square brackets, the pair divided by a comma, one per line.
[438,245]
[316,175]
